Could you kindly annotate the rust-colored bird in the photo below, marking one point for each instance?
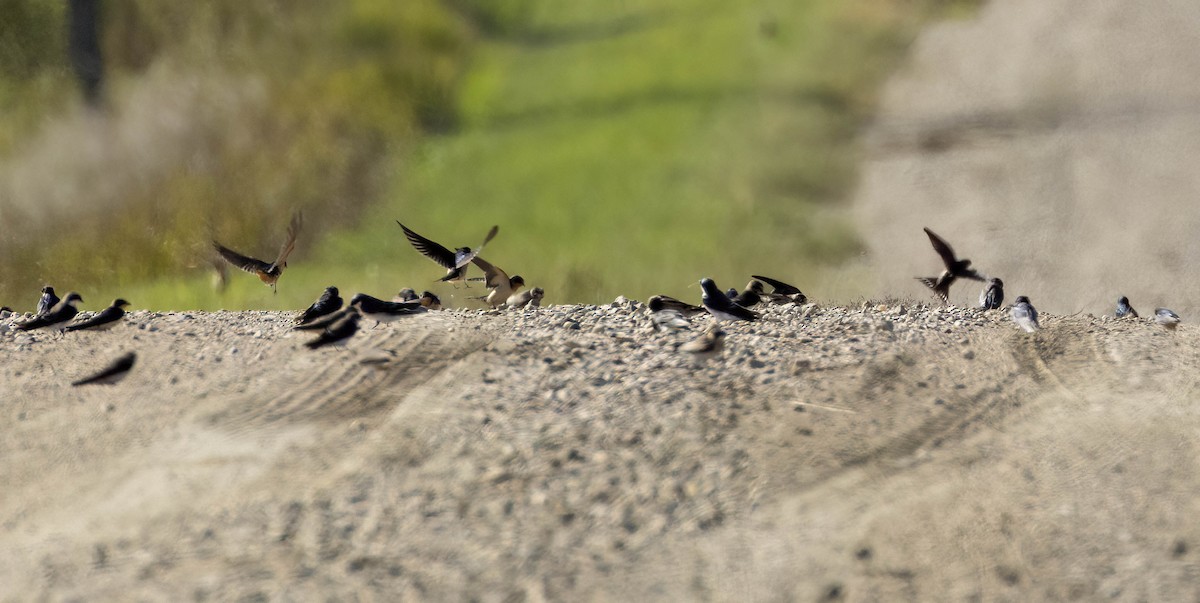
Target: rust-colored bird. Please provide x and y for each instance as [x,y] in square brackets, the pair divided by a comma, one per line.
[268,273]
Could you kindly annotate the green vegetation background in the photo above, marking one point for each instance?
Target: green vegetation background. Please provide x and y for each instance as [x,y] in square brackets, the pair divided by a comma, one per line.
[623,147]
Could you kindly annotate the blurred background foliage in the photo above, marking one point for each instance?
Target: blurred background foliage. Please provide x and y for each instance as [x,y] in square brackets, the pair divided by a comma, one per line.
[623,147]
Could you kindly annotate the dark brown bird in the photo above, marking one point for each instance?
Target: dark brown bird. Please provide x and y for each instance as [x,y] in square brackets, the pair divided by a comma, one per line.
[268,273]
[782,293]
[328,303]
[955,268]
[112,373]
[502,287]
[665,302]
[102,320]
[751,295]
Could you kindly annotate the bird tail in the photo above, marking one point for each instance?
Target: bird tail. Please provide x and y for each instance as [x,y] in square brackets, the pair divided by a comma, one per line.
[942,291]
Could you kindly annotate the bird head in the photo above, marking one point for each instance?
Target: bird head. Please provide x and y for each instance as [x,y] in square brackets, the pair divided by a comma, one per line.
[1021,300]
[516,282]
[655,303]
[1123,300]
[72,298]
[710,288]
[997,282]
[357,300]
[119,303]
[331,290]
[755,286]
[537,293]
[48,289]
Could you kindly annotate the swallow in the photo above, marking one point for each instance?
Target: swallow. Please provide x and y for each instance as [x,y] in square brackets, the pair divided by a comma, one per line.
[383,311]
[268,273]
[782,292]
[666,320]
[429,301]
[103,320]
[1166,318]
[751,295]
[57,317]
[731,293]
[1124,309]
[5,311]
[455,262]
[324,321]
[406,295]
[339,332]
[992,295]
[955,268]
[502,287]
[112,373]
[707,345]
[720,306]
[1025,315]
[658,303]
[327,304]
[532,297]
[47,301]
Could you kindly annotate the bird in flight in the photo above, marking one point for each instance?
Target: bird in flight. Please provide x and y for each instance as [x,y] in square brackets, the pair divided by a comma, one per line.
[268,273]
[500,284]
[955,268]
[455,262]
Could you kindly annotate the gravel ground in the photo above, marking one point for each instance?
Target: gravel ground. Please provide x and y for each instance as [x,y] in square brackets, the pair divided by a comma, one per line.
[882,452]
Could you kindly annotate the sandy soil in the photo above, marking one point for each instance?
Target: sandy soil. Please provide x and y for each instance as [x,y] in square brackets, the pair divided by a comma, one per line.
[890,452]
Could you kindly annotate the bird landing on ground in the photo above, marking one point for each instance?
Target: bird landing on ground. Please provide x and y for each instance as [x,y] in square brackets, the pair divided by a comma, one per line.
[268,273]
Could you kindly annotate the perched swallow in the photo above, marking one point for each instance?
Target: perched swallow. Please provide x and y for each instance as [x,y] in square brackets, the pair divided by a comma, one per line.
[112,373]
[731,293]
[782,292]
[955,268]
[1025,315]
[339,332]
[406,295]
[720,306]
[502,287]
[992,295]
[267,273]
[707,345]
[383,311]
[327,304]
[5,311]
[1166,318]
[663,302]
[455,262]
[57,317]
[532,297]
[324,321]
[1124,309]
[429,301]
[750,296]
[103,320]
[47,301]
[667,320]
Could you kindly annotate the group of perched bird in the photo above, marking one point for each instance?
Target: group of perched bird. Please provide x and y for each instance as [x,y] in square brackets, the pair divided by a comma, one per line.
[337,322]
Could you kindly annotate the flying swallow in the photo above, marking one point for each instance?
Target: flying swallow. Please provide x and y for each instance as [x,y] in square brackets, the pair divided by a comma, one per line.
[429,301]
[782,292]
[47,301]
[57,317]
[1025,315]
[707,345]
[102,320]
[268,273]
[383,311]
[661,302]
[327,304]
[339,332]
[532,297]
[751,295]
[1124,309]
[502,287]
[992,295]
[1166,318]
[406,294]
[112,373]
[720,306]
[955,268]
[455,262]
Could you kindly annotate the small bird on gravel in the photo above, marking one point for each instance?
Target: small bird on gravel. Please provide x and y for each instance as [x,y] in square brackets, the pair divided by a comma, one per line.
[664,302]
[532,297]
[500,284]
[47,301]
[666,320]
[339,332]
[1025,315]
[782,293]
[268,273]
[383,311]
[455,262]
[57,317]
[993,295]
[5,311]
[751,295]
[103,320]
[406,295]
[955,268]
[111,373]
[429,301]
[324,321]
[1166,318]
[707,345]
[1124,309]
[731,293]
[720,306]
[327,304]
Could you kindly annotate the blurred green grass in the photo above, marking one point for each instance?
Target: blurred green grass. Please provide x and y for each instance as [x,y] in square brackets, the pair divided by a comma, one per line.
[623,148]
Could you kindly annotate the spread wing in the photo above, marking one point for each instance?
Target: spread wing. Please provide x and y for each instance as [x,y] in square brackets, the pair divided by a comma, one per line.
[290,245]
[492,276]
[971,274]
[462,259]
[779,287]
[434,251]
[247,263]
[942,248]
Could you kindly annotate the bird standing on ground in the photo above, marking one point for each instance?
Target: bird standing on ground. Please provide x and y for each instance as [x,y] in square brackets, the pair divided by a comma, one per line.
[110,374]
[1124,309]
[1025,315]
[532,297]
[663,302]
[268,273]
[429,301]
[707,345]
[103,320]
[57,317]
[339,332]
[782,293]
[955,268]
[406,294]
[383,311]
[455,262]
[993,295]
[327,304]
[47,301]
[720,306]
[751,295]
[500,284]
[1166,318]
